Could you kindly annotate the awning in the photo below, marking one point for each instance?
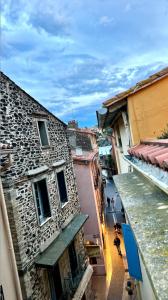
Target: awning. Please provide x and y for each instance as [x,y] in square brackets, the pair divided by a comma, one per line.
[52,254]
[146,208]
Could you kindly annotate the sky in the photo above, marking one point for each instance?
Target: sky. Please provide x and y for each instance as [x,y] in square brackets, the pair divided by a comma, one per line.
[73,55]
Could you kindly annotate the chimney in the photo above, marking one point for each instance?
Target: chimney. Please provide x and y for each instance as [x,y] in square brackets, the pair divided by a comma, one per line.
[73,124]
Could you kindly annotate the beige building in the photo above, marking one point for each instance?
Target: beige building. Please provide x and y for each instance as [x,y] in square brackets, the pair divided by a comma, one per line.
[136,114]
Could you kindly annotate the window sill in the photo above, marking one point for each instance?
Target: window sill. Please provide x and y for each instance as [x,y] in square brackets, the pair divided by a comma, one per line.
[63,205]
[45,221]
[45,147]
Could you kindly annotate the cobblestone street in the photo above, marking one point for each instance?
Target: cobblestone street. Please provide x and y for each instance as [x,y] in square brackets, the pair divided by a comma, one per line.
[110,287]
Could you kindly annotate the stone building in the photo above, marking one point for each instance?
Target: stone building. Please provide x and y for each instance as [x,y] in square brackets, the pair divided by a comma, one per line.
[42,201]
[91,193]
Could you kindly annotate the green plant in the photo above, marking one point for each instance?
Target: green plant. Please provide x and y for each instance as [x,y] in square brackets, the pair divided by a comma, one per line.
[164,134]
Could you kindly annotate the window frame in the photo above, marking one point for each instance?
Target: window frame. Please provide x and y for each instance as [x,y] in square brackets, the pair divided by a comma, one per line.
[58,170]
[35,201]
[46,129]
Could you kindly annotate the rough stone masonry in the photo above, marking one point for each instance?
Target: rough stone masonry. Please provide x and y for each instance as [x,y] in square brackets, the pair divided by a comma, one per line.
[19,116]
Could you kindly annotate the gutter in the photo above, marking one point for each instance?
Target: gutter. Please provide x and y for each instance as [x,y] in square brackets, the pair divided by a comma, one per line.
[151,178]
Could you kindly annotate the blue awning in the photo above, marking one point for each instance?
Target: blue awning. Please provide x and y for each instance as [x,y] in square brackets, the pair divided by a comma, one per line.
[132,252]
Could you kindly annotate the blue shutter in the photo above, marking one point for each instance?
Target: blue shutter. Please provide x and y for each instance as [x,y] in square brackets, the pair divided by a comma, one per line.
[132,252]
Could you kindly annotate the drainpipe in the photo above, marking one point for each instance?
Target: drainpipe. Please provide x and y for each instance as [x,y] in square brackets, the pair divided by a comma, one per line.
[9,238]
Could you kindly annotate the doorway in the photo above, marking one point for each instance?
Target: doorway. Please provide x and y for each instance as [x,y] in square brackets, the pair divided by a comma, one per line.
[55,283]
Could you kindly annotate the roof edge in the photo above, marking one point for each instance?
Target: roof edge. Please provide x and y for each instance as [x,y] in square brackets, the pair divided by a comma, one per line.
[138,87]
[6,77]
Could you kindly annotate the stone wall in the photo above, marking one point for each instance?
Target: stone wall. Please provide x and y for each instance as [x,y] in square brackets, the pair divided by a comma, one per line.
[19,115]
[79,140]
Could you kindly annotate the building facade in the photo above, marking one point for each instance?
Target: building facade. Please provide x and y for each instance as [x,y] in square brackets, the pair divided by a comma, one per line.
[91,193]
[136,114]
[144,195]
[42,201]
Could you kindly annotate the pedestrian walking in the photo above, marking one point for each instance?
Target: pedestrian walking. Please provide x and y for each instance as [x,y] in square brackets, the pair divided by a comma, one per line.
[117,244]
[117,228]
[108,201]
[112,202]
[130,288]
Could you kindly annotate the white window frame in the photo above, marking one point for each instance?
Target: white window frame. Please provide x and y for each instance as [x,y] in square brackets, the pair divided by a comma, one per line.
[58,170]
[35,201]
[46,129]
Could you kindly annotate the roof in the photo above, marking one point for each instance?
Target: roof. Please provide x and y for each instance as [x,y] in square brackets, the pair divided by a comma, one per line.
[154,152]
[80,138]
[51,255]
[82,130]
[34,100]
[146,207]
[86,156]
[136,88]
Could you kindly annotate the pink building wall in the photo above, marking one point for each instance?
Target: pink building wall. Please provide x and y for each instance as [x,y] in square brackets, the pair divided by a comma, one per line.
[88,203]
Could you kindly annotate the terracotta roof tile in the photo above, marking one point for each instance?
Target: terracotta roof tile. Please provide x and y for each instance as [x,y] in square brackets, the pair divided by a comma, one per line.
[85,157]
[165,163]
[143,150]
[160,159]
[152,151]
[153,155]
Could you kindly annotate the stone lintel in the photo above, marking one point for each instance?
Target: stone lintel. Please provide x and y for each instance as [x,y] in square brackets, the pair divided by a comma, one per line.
[58,163]
[37,171]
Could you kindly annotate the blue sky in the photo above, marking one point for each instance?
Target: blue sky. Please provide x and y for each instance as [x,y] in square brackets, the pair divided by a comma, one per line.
[73,55]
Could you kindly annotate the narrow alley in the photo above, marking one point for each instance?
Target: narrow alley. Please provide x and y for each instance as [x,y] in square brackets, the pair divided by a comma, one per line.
[110,287]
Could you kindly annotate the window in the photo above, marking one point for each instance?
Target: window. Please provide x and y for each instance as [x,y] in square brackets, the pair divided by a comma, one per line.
[43,133]
[1,293]
[42,200]
[119,137]
[62,187]
[55,283]
[93,260]
[73,260]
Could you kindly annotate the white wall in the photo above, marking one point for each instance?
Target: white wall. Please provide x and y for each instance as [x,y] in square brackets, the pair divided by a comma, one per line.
[145,286]
[122,165]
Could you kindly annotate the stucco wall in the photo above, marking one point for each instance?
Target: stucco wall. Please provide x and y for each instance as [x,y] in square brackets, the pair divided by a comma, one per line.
[148,111]
[89,198]
[86,198]
[122,165]
[146,290]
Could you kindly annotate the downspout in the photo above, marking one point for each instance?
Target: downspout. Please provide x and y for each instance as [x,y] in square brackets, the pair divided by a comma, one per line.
[9,237]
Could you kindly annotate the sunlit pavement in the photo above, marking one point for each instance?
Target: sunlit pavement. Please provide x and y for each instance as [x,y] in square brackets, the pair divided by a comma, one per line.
[110,287]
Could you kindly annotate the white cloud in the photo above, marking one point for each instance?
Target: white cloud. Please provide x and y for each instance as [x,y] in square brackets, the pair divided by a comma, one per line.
[56,51]
[105,20]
